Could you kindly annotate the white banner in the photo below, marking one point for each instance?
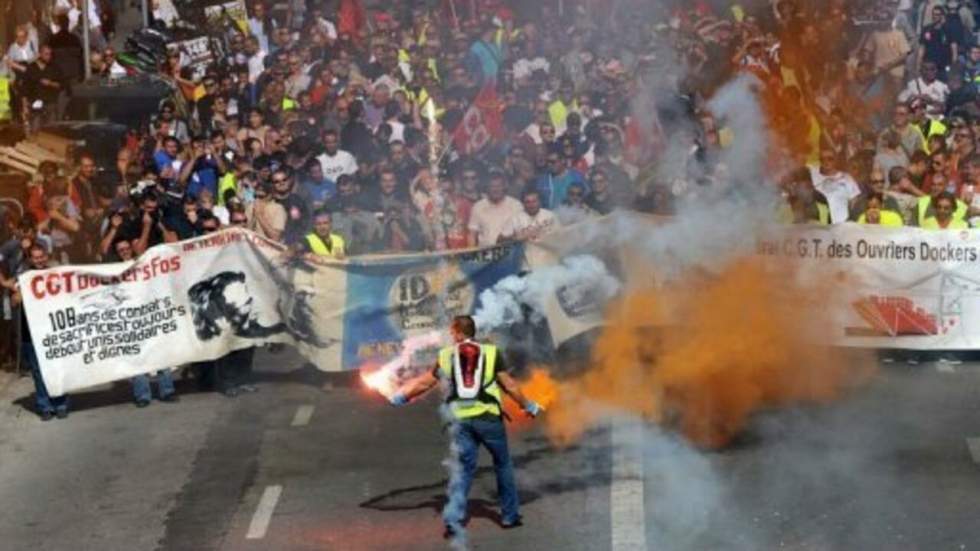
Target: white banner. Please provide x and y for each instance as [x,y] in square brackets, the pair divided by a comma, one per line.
[179,303]
[906,287]
[199,299]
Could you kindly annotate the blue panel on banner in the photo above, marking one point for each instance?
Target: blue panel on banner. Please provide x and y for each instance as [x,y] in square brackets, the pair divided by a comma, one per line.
[391,299]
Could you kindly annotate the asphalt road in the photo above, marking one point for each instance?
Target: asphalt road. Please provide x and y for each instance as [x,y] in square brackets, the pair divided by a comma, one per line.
[312,462]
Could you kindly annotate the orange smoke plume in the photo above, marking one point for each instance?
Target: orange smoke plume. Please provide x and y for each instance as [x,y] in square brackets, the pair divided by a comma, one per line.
[737,342]
[541,388]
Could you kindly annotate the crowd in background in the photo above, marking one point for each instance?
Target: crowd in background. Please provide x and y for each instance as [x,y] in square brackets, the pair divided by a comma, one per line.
[349,128]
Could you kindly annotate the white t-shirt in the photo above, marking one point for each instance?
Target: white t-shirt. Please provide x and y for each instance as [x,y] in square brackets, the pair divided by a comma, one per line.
[341,163]
[487,219]
[937,91]
[524,226]
[397,131]
[839,189]
[256,66]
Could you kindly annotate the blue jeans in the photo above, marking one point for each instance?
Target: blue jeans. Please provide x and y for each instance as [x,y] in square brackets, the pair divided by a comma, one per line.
[141,386]
[42,401]
[467,436]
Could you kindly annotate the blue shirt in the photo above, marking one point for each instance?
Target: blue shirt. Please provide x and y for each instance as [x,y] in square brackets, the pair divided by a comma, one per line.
[162,160]
[204,176]
[489,57]
[319,192]
[554,189]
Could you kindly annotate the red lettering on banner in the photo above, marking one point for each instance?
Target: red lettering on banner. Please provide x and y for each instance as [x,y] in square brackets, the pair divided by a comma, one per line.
[36,289]
[52,285]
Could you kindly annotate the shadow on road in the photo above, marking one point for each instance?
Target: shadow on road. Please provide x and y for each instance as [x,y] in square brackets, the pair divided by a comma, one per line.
[186,383]
[596,473]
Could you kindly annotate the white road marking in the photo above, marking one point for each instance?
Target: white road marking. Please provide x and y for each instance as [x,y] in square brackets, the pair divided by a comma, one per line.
[303,415]
[945,368]
[263,513]
[973,444]
[626,506]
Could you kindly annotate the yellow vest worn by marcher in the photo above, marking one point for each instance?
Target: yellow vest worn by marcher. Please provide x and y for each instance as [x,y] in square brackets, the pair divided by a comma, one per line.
[5,107]
[784,215]
[935,128]
[482,395]
[225,183]
[334,250]
[932,224]
[889,219]
[922,210]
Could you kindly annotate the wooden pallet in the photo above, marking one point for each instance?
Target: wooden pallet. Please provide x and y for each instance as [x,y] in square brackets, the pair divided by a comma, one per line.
[61,147]
[27,156]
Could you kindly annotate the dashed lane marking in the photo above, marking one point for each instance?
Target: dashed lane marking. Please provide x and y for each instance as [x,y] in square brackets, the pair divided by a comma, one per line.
[263,513]
[626,506]
[303,415]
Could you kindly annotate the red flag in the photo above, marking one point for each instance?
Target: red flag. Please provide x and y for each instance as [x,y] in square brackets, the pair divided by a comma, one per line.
[481,124]
[350,17]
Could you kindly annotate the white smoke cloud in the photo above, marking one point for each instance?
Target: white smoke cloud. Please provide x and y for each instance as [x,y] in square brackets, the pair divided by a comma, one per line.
[521,298]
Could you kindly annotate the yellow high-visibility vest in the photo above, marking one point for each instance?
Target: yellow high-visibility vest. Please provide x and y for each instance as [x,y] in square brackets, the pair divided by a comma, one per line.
[319,248]
[923,207]
[488,399]
[4,99]
[889,219]
[226,182]
[954,224]
[785,214]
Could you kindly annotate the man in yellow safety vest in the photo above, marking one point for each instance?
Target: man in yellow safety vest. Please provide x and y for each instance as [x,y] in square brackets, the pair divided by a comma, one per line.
[322,242]
[475,375]
[944,214]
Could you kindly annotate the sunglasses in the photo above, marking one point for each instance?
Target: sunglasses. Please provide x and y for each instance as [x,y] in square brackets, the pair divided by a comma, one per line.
[877,181]
[279,180]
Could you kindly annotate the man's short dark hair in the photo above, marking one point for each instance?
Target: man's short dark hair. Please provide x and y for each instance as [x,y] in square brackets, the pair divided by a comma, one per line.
[37,246]
[322,212]
[465,326]
[529,192]
[919,156]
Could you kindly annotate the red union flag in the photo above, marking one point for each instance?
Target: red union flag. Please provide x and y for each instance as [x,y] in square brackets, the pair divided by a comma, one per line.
[481,123]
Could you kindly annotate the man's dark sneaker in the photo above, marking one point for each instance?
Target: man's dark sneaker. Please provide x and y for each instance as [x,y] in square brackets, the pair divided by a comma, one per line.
[449,532]
[61,413]
[142,403]
[46,415]
[170,398]
[509,524]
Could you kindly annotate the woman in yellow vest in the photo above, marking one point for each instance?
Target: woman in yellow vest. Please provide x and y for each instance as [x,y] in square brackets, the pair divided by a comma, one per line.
[944,206]
[321,242]
[476,376]
[876,213]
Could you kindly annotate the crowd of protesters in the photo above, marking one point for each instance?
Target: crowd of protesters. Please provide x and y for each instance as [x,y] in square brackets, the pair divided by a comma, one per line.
[344,129]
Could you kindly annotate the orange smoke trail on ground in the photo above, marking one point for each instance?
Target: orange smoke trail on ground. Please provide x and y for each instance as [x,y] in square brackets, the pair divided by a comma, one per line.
[737,342]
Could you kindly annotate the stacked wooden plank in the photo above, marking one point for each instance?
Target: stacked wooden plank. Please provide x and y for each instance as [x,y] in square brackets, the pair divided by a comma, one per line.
[28,154]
